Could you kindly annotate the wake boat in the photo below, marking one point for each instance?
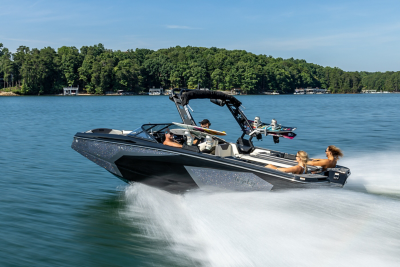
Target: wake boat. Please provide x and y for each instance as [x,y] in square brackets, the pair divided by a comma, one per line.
[140,155]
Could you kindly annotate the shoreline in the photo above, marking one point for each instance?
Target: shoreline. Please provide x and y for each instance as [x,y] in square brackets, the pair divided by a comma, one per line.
[14,94]
[8,94]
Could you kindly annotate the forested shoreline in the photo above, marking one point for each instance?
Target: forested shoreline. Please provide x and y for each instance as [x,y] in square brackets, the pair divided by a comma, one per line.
[96,70]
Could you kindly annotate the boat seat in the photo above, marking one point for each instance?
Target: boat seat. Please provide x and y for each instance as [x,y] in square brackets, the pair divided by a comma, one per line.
[106,131]
[224,150]
[264,161]
[235,150]
[279,159]
[160,138]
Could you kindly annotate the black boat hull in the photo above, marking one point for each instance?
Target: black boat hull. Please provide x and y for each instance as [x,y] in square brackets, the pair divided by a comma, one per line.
[177,170]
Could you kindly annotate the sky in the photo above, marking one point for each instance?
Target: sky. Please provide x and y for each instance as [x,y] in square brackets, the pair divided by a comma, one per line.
[353,35]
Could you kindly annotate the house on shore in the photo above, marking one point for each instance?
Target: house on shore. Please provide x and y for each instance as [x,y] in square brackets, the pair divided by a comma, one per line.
[71,90]
[156,91]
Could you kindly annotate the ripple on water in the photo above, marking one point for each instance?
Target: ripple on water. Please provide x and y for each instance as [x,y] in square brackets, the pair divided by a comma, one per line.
[59,209]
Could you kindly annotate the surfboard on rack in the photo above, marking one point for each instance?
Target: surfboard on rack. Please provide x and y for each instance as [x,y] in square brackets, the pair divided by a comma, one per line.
[199,129]
[279,130]
[288,135]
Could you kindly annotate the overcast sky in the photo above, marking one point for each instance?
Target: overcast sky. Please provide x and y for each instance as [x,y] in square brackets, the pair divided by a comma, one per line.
[352,35]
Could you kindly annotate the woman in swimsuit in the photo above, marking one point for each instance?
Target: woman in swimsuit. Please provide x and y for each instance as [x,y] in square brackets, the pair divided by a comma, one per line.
[333,154]
[300,168]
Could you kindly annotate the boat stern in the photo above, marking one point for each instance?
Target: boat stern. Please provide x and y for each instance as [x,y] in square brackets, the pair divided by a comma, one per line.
[338,175]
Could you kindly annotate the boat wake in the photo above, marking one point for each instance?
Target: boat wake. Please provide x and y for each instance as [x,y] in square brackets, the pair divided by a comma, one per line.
[378,174]
[357,226]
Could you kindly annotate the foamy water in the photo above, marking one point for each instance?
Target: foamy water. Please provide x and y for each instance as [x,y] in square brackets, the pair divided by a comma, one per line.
[354,226]
[378,173]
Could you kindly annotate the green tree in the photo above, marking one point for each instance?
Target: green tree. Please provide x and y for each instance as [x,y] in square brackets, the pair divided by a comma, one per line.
[126,75]
[70,61]
[218,79]
[249,80]
[6,65]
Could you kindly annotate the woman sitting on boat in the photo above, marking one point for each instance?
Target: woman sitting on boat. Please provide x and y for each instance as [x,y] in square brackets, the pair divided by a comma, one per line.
[333,154]
[300,168]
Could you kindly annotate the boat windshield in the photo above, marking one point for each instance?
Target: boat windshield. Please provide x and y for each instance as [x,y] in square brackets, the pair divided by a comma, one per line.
[139,132]
[153,132]
[154,128]
[136,131]
[159,127]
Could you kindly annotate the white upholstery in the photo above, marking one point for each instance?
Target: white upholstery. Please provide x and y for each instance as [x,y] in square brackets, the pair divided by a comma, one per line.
[278,164]
[235,151]
[219,151]
[115,132]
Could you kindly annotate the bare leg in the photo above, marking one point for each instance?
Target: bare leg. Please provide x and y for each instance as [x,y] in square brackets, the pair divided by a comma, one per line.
[271,166]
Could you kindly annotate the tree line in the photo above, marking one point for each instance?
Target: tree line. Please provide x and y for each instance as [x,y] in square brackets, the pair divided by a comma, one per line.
[97,70]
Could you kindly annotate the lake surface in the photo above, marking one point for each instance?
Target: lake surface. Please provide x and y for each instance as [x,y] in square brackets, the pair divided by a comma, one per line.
[57,208]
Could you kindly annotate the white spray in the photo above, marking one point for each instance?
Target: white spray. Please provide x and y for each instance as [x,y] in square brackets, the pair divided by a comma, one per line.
[329,227]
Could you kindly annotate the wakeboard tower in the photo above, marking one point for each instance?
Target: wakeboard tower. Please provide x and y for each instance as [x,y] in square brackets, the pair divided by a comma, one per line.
[255,128]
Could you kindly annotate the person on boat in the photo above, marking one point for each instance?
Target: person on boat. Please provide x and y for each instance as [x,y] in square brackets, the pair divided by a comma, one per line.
[169,140]
[332,153]
[300,168]
[205,123]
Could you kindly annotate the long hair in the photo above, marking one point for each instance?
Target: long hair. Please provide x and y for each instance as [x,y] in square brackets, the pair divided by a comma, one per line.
[304,158]
[336,152]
